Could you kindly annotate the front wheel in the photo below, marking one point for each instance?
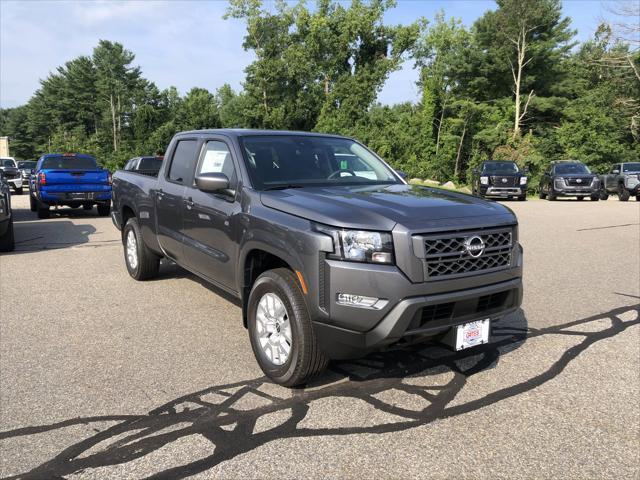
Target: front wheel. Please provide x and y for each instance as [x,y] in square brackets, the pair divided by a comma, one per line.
[579,199]
[18,191]
[142,263]
[595,198]
[551,196]
[104,209]
[603,194]
[623,193]
[522,198]
[281,333]
[541,194]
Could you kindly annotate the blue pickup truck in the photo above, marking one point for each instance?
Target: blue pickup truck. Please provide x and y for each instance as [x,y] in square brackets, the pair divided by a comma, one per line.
[72,179]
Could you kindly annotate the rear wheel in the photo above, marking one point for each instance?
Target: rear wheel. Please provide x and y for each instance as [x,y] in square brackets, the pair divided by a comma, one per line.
[141,262]
[7,243]
[280,330]
[603,194]
[33,204]
[595,198]
[104,209]
[623,193]
[43,211]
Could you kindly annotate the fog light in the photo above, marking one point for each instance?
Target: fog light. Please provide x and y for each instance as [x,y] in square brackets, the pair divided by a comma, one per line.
[360,301]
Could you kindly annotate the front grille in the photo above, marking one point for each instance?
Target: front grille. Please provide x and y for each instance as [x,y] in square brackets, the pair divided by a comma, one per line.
[447,255]
[578,182]
[498,181]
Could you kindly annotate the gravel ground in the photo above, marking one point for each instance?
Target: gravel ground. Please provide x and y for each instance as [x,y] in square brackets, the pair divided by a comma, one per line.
[105,377]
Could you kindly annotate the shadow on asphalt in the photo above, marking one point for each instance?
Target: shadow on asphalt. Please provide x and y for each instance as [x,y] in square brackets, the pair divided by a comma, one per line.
[222,415]
[33,234]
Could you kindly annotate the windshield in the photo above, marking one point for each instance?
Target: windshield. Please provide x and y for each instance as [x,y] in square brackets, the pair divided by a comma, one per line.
[27,164]
[298,160]
[631,167]
[7,162]
[69,163]
[500,167]
[569,168]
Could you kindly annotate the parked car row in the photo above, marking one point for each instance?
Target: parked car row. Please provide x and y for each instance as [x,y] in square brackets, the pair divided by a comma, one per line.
[567,178]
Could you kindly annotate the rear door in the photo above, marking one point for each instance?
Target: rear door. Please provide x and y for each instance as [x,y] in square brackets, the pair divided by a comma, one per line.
[211,219]
[170,197]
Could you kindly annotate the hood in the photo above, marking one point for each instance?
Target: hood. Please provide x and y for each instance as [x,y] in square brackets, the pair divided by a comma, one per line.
[13,170]
[381,207]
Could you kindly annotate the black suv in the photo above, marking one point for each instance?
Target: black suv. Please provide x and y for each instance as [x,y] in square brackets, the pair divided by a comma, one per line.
[499,179]
[569,178]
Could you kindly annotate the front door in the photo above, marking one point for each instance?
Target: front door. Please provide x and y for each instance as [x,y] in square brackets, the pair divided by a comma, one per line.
[210,219]
[170,198]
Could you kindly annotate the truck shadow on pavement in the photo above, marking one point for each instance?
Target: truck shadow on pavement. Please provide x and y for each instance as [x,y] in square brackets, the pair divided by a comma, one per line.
[385,392]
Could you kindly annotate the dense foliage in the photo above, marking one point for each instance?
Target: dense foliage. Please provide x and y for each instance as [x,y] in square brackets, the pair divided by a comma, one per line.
[513,86]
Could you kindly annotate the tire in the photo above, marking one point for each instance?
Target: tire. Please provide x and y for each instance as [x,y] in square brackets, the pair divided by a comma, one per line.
[595,198]
[104,209]
[7,241]
[305,359]
[637,198]
[146,263]
[541,194]
[579,199]
[604,195]
[18,191]
[522,198]
[43,211]
[87,206]
[33,204]
[551,196]
[623,193]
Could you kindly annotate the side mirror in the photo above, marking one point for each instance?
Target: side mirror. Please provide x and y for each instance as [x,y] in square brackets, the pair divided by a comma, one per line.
[212,182]
[476,171]
[402,174]
[615,172]
[526,169]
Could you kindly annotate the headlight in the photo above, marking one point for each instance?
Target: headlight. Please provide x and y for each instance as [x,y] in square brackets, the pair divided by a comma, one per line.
[523,180]
[559,181]
[360,245]
[484,180]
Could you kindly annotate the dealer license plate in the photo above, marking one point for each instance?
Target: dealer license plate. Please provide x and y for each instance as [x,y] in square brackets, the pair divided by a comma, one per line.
[79,196]
[472,334]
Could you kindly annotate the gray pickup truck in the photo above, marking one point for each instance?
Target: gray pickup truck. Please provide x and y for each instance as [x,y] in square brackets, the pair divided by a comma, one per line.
[330,252]
[623,179]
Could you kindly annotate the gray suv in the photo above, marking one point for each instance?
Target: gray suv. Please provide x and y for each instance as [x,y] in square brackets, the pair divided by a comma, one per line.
[623,179]
[330,252]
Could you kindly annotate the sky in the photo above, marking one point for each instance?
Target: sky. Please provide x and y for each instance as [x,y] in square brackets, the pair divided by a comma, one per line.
[185,43]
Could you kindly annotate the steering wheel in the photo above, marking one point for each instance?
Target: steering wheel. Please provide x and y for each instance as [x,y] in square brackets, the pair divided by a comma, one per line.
[339,171]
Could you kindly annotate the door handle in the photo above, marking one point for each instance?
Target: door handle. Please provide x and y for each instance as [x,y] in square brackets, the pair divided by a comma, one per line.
[160,194]
[189,203]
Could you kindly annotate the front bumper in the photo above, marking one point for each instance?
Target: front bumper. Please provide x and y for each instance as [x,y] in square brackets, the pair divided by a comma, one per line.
[564,190]
[15,182]
[491,191]
[633,185]
[409,309]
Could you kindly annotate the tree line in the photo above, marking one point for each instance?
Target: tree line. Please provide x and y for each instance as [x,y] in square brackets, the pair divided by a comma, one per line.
[514,85]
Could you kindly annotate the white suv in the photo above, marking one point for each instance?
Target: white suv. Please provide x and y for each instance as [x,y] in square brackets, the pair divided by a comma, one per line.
[12,175]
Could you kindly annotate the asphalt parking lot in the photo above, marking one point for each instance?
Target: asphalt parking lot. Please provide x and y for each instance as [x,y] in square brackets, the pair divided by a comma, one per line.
[105,377]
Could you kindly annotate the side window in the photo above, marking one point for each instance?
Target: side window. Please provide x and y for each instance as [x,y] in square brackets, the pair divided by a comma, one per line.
[183,161]
[216,158]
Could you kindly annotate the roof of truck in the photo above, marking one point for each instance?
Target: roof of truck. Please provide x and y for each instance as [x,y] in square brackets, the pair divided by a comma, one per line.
[245,132]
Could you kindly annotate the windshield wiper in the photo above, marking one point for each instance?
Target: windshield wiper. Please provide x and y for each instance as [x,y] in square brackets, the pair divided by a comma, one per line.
[283,186]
